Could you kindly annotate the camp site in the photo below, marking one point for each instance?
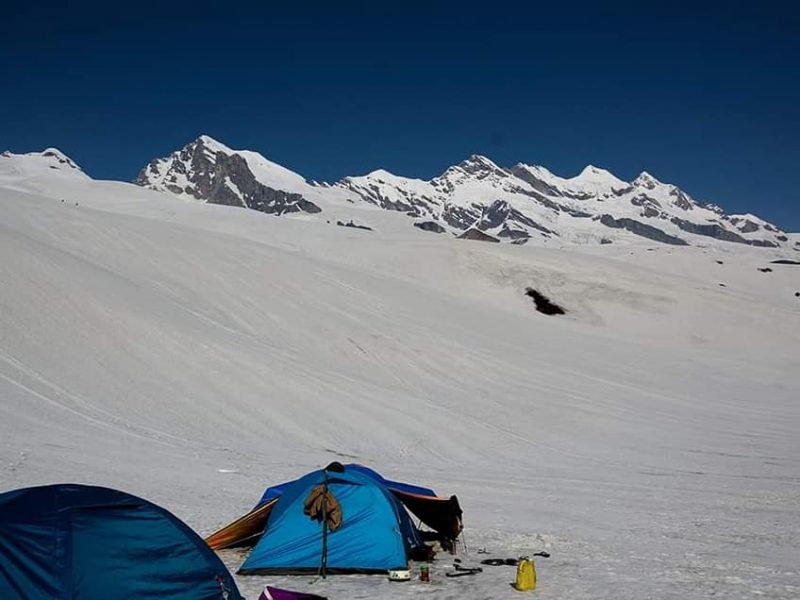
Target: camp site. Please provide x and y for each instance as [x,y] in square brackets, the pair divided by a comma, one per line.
[399,300]
[611,406]
[219,368]
[86,542]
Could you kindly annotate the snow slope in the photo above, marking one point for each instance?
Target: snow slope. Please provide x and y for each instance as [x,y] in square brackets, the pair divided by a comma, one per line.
[194,353]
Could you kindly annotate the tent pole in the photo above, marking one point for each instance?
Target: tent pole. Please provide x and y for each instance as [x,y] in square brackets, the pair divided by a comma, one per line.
[324,563]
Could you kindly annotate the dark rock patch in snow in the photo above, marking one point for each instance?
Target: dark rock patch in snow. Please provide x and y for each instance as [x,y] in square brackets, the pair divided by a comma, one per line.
[372,193]
[431,226]
[650,212]
[350,223]
[642,229]
[543,304]
[765,269]
[762,243]
[537,184]
[60,157]
[475,234]
[459,217]
[500,213]
[748,226]
[513,234]
[713,230]
[785,261]
[682,201]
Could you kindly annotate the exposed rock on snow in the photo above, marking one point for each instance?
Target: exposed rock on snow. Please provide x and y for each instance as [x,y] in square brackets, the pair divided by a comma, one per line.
[642,229]
[543,304]
[33,165]
[431,226]
[354,225]
[207,170]
[478,235]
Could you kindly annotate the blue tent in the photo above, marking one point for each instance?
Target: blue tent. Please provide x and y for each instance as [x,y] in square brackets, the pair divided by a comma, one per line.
[376,533]
[82,542]
[276,490]
[441,514]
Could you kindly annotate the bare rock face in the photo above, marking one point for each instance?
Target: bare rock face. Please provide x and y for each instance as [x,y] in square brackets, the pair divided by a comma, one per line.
[208,171]
[59,157]
[543,304]
[745,225]
[459,217]
[716,231]
[642,229]
[507,220]
[682,201]
[431,226]
[476,234]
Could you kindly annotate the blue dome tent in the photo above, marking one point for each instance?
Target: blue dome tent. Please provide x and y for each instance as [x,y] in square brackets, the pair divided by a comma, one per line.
[440,514]
[85,543]
[370,529]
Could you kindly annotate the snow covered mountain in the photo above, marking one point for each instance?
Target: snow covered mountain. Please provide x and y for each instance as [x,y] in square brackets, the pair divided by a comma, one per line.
[16,168]
[208,170]
[525,202]
[519,204]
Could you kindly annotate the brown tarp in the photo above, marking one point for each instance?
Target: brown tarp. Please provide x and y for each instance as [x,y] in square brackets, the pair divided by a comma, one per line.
[244,531]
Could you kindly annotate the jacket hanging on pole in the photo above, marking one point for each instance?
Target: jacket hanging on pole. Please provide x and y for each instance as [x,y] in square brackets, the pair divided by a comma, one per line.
[322,502]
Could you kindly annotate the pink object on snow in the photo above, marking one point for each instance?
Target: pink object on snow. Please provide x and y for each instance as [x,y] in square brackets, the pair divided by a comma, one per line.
[272,593]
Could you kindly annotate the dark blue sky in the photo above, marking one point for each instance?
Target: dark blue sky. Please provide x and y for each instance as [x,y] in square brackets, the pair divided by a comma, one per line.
[706,98]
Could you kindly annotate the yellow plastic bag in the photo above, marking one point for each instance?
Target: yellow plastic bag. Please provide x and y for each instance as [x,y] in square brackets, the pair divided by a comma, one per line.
[526,575]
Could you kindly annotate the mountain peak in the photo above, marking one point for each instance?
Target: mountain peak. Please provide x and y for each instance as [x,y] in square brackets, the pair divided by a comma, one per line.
[57,156]
[52,157]
[592,172]
[211,143]
[536,170]
[34,165]
[596,181]
[646,180]
[380,174]
[478,159]
[208,170]
[477,165]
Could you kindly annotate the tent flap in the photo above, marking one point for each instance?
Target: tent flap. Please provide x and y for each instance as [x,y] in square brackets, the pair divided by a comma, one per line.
[244,531]
[443,515]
